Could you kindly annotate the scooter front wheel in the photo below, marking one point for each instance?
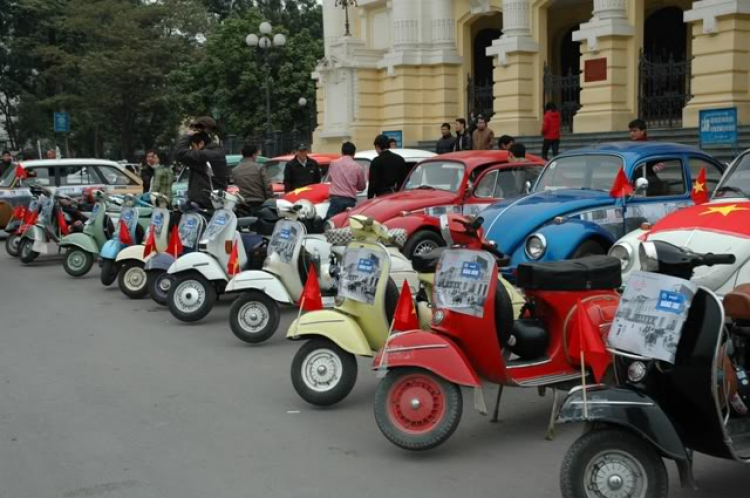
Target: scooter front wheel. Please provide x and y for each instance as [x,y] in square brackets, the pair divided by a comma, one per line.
[191,297]
[26,251]
[322,373]
[254,317]
[417,410]
[159,283]
[13,245]
[109,272]
[132,280]
[610,463]
[77,262]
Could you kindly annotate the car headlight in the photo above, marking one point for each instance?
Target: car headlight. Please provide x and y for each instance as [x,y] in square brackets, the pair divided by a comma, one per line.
[624,252]
[536,245]
[636,371]
[649,257]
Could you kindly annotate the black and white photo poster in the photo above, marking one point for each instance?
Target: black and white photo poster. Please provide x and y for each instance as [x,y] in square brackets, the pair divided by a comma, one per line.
[360,274]
[286,235]
[462,281]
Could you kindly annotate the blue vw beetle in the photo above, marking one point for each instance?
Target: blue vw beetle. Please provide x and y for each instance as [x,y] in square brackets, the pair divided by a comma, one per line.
[570,212]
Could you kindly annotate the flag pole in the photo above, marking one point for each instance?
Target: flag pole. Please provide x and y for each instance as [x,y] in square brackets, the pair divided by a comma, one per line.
[299,315]
[583,385]
[387,340]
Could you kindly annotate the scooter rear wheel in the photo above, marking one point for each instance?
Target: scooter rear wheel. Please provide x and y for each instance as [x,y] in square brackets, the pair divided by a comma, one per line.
[159,283]
[132,280]
[322,373]
[109,272]
[77,262]
[13,245]
[26,251]
[191,297]
[254,317]
[610,463]
[417,410]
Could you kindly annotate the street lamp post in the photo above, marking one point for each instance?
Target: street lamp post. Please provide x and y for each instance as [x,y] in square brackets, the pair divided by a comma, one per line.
[345,4]
[264,41]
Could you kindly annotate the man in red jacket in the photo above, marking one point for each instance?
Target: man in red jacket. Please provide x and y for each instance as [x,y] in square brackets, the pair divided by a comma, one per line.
[551,130]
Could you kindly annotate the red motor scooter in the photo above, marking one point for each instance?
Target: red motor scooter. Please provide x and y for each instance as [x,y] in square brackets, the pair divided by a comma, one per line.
[418,405]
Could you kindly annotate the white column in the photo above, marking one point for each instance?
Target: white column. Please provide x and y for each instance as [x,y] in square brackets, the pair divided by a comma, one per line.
[405,24]
[610,19]
[709,10]
[333,24]
[443,24]
[611,9]
[516,31]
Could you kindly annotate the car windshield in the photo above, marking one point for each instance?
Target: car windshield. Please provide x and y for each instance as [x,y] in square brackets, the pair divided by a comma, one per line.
[736,181]
[436,175]
[275,171]
[7,179]
[588,172]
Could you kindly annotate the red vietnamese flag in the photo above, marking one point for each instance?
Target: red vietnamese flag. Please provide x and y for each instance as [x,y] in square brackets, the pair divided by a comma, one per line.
[315,193]
[175,246]
[64,229]
[19,212]
[405,317]
[311,296]
[125,237]
[730,219]
[621,186]
[588,343]
[233,265]
[150,242]
[21,173]
[699,193]
[31,217]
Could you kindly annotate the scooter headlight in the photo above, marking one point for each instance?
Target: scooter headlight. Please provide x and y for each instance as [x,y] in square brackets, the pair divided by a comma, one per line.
[338,300]
[649,257]
[536,245]
[624,252]
[438,317]
[636,371]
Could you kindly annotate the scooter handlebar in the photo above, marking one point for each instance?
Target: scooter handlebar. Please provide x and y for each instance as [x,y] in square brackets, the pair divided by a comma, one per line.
[718,259]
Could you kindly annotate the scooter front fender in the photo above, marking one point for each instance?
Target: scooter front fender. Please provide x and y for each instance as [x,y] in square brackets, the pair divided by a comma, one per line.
[429,351]
[628,409]
[159,261]
[262,281]
[35,233]
[111,249]
[343,330]
[82,240]
[201,262]
[130,253]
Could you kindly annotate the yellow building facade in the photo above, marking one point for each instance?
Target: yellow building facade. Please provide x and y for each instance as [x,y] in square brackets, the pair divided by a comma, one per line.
[410,65]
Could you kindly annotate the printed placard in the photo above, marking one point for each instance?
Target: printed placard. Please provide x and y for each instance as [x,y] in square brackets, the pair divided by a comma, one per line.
[651,314]
[360,274]
[287,235]
[188,229]
[217,224]
[462,281]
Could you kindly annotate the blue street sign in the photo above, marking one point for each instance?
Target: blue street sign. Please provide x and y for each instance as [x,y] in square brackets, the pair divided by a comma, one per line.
[718,126]
[398,135]
[62,122]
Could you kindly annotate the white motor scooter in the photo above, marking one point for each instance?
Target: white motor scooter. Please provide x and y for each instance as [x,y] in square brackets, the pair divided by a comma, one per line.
[200,277]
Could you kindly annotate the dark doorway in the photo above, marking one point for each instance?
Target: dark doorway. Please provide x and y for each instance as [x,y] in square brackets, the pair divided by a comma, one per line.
[481,92]
[665,35]
[570,53]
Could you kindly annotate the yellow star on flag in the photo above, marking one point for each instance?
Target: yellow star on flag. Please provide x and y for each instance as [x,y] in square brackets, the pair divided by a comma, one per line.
[724,210]
[300,190]
[699,187]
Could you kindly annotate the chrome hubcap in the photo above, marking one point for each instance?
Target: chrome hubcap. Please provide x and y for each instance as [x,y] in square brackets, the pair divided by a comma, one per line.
[165,283]
[190,296]
[135,278]
[615,474]
[321,370]
[76,260]
[253,317]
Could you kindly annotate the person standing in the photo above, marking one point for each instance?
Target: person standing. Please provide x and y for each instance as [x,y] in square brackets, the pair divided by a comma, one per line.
[347,177]
[387,171]
[550,130]
[463,137]
[393,143]
[638,130]
[163,178]
[447,141]
[483,137]
[505,142]
[301,171]
[6,163]
[251,178]
[206,161]
[147,171]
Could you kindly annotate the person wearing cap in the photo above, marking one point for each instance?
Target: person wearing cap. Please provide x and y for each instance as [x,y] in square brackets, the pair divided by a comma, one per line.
[387,171]
[206,161]
[301,171]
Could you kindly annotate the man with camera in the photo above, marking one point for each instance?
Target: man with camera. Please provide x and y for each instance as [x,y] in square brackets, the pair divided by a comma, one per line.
[206,161]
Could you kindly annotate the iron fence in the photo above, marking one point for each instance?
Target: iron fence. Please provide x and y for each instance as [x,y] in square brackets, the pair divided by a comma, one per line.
[481,98]
[565,92]
[664,90]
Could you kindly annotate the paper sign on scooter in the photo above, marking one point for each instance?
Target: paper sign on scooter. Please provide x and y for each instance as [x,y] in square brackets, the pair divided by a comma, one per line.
[462,281]
[651,314]
[286,235]
[360,274]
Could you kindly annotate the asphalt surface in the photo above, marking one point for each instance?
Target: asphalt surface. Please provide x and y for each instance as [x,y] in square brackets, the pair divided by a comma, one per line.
[101,396]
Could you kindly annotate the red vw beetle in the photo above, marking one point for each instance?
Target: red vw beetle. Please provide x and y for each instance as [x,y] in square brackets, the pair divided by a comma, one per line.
[461,183]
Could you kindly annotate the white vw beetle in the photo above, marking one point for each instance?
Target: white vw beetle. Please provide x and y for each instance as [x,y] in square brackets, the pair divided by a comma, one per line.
[719,226]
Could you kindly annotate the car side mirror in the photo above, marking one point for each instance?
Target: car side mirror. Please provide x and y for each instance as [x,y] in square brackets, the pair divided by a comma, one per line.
[527,187]
[641,186]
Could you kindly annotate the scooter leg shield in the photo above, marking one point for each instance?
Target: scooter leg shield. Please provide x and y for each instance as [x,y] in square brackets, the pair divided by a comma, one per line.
[262,281]
[131,252]
[627,409]
[82,240]
[339,328]
[429,351]
[110,249]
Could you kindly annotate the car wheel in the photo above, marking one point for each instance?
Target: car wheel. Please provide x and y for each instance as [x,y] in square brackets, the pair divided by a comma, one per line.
[422,242]
[588,248]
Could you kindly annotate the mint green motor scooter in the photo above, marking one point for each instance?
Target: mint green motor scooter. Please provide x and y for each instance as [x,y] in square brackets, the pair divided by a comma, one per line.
[82,248]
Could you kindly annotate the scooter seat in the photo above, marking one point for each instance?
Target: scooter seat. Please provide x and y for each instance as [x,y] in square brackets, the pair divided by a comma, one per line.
[247,222]
[427,263]
[342,236]
[589,273]
[737,303]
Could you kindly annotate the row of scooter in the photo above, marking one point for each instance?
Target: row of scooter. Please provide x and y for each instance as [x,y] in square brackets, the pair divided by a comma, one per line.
[455,326]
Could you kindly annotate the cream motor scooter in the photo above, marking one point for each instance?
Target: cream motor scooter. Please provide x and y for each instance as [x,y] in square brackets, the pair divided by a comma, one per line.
[199,277]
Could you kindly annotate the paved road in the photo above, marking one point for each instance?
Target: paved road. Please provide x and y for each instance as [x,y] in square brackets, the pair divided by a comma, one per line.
[105,397]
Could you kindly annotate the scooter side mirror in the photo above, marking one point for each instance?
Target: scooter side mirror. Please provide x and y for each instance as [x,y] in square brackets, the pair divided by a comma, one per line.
[527,187]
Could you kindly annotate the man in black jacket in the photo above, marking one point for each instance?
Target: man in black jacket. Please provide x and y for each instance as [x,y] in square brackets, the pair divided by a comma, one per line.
[387,171]
[463,137]
[301,171]
[447,141]
[207,162]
